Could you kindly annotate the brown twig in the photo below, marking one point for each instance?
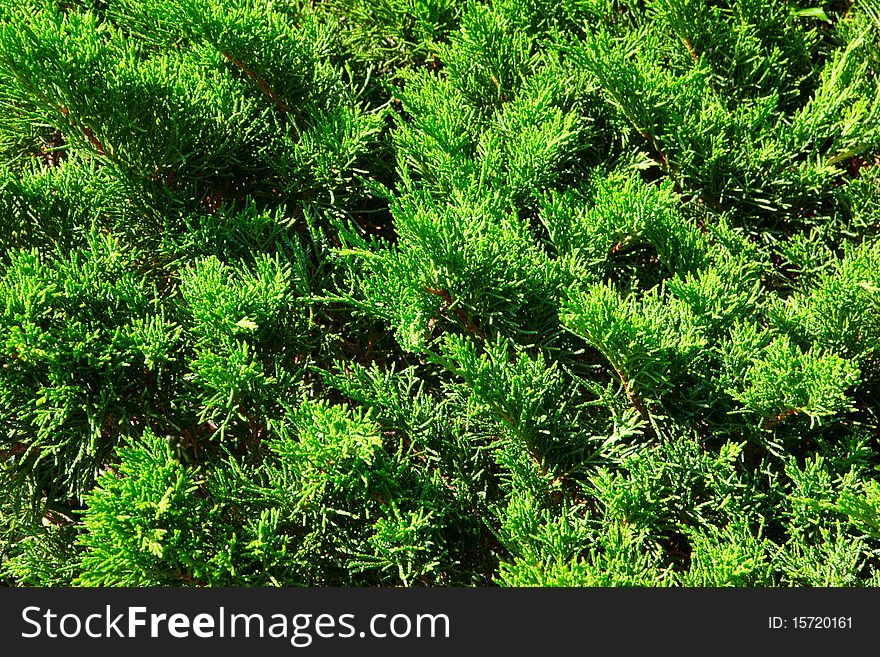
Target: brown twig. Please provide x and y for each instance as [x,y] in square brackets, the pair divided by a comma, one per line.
[656,149]
[637,402]
[266,88]
[55,517]
[501,95]
[51,152]
[459,312]
[189,579]
[771,422]
[691,50]
[86,130]
[17,449]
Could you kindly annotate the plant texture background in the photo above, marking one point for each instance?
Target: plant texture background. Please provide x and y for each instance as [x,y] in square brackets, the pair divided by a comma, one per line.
[428,292]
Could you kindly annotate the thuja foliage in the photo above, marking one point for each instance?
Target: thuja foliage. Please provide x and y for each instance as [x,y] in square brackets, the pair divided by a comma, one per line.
[423,292]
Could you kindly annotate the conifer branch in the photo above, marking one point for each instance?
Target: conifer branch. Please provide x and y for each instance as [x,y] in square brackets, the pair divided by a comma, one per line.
[691,50]
[673,172]
[266,88]
[663,160]
[52,152]
[531,448]
[634,399]
[460,313]
[847,154]
[86,130]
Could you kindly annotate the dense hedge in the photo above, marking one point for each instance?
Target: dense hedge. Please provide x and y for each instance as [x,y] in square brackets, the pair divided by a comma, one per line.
[408,292]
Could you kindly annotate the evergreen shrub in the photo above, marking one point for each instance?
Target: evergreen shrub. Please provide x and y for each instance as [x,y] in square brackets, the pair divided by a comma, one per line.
[425,292]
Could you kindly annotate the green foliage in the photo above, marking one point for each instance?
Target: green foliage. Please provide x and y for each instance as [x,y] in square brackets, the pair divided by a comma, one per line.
[786,381]
[730,556]
[842,308]
[84,333]
[619,556]
[145,525]
[419,292]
